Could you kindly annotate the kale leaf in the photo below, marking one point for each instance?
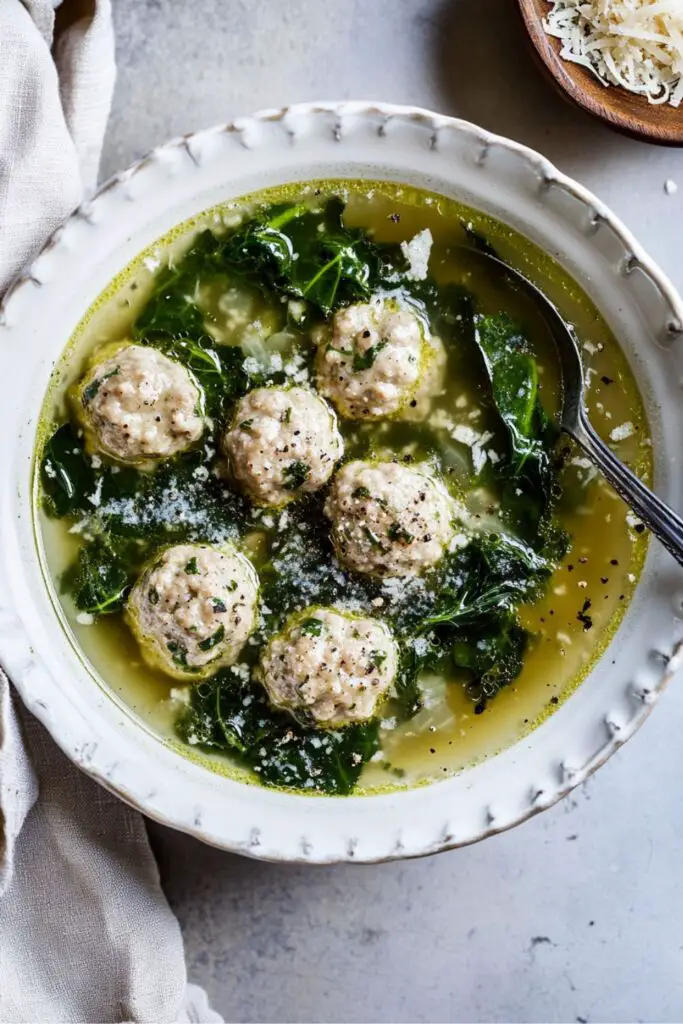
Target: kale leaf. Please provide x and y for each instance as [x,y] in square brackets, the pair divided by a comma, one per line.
[129,514]
[173,322]
[100,577]
[303,570]
[491,576]
[474,614]
[528,473]
[309,254]
[66,473]
[181,498]
[218,369]
[492,653]
[172,309]
[228,714]
[297,250]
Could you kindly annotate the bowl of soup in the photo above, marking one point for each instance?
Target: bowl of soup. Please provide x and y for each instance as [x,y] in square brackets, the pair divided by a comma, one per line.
[295,556]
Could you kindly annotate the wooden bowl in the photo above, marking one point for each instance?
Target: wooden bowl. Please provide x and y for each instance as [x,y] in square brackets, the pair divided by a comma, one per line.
[622,110]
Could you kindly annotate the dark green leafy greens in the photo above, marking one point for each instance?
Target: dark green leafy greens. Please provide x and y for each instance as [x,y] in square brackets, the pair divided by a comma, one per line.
[130,514]
[100,577]
[462,621]
[300,251]
[67,474]
[528,473]
[471,616]
[180,499]
[227,714]
[464,614]
[309,254]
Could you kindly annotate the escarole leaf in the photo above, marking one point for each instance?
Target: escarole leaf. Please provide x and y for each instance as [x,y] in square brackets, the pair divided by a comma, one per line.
[231,715]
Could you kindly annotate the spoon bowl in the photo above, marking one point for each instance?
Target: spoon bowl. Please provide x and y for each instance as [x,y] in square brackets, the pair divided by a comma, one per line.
[654,513]
[625,111]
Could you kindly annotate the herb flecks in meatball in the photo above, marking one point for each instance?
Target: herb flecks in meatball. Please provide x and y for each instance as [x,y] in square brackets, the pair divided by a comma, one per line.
[138,405]
[375,360]
[389,519]
[330,668]
[193,609]
[282,443]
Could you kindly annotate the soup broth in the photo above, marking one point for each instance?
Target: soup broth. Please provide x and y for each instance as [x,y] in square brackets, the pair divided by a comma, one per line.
[451,716]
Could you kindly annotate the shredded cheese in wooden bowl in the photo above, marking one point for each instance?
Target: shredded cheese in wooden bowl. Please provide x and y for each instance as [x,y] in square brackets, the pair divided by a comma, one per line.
[637,44]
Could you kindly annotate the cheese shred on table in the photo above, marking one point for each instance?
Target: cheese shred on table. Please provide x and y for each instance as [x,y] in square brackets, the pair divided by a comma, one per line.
[637,44]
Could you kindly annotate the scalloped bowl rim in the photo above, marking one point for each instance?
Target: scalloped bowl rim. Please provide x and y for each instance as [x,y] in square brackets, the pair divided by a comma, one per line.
[192,173]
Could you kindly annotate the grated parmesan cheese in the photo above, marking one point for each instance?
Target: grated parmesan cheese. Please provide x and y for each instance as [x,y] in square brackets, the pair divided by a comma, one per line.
[637,44]
[623,431]
[417,252]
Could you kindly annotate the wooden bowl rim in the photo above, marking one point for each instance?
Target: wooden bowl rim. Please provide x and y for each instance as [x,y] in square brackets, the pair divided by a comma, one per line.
[664,131]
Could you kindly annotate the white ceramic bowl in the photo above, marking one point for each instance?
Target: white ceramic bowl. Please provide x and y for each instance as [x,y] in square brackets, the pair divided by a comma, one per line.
[132,210]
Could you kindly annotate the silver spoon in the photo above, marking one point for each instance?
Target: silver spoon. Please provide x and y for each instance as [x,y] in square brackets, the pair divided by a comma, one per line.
[666,524]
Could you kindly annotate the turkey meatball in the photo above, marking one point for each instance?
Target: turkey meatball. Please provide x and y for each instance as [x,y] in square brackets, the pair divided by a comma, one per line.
[283,442]
[373,363]
[330,668]
[193,609]
[139,405]
[389,519]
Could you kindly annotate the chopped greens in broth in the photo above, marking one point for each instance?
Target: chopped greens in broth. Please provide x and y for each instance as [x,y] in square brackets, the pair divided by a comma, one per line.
[452,658]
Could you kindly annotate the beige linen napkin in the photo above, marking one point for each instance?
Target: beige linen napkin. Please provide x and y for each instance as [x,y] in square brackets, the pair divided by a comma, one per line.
[86,933]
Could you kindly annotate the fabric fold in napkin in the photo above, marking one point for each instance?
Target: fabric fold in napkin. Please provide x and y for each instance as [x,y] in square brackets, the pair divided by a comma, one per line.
[86,933]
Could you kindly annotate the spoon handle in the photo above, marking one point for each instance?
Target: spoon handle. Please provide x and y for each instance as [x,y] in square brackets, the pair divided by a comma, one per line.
[666,524]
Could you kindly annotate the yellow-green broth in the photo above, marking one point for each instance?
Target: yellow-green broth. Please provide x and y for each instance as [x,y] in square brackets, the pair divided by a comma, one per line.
[606,552]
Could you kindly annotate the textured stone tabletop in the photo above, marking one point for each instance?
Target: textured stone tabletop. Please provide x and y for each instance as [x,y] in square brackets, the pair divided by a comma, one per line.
[577,915]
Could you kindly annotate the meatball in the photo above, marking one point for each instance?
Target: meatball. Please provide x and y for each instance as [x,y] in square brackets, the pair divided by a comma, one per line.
[140,405]
[329,668]
[373,363]
[193,609]
[388,519]
[283,442]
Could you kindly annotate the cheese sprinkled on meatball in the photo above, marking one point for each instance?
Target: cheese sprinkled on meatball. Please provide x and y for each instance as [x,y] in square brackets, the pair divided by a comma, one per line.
[389,519]
[329,668]
[139,405]
[193,609]
[373,363]
[282,443]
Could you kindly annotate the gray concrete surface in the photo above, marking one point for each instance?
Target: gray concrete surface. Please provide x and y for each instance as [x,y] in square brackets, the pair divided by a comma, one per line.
[577,915]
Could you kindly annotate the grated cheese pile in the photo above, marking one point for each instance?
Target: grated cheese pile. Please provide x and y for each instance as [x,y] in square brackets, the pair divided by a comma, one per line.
[637,44]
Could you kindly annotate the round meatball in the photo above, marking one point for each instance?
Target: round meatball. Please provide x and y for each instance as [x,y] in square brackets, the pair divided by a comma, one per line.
[373,363]
[193,609]
[283,442]
[389,519]
[329,668]
[140,405]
